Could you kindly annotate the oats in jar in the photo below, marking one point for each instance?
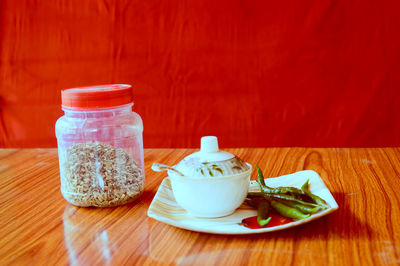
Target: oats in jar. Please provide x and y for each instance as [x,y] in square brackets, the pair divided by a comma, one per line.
[100,175]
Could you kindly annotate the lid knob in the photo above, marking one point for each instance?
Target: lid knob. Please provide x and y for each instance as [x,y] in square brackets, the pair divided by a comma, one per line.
[209,144]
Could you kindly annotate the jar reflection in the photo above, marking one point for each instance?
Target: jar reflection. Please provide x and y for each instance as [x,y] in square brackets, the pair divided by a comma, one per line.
[85,233]
[99,236]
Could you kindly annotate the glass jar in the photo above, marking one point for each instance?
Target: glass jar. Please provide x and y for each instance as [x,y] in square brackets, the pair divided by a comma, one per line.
[100,146]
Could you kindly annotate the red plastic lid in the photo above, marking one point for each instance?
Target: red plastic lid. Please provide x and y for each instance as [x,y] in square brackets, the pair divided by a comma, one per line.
[96,97]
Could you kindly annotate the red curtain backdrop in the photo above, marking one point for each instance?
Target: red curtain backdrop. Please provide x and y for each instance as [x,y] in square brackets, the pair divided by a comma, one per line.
[254,73]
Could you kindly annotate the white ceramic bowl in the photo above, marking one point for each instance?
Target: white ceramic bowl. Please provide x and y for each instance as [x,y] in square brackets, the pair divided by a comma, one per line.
[210,197]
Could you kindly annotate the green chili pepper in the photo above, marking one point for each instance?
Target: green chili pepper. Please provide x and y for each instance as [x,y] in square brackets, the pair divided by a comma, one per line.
[288,211]
[280,190]
[255,194]
[260,176]
[262,207]
[289,193]
[315,198]
[288,198]
[301,207]
[290,202]
[268,196]
[263,213]
[271,196]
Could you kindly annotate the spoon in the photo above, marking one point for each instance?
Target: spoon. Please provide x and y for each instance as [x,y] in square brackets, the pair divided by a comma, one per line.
[158,167]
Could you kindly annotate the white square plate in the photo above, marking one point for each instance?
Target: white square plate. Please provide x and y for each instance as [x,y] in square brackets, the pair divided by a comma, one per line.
[165,209]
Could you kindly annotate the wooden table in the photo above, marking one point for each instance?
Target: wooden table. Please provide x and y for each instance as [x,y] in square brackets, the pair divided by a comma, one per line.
[39,227]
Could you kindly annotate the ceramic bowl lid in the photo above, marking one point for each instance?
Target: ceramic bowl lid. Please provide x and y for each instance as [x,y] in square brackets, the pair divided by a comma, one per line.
[210,161]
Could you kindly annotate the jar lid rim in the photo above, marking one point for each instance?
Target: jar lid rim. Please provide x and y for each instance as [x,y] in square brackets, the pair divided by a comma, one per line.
[96,97]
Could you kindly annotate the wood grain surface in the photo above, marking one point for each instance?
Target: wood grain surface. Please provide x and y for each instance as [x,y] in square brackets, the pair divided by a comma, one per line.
[38,227]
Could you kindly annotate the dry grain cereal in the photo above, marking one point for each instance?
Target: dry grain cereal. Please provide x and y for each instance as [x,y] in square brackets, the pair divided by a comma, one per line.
[100,175]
